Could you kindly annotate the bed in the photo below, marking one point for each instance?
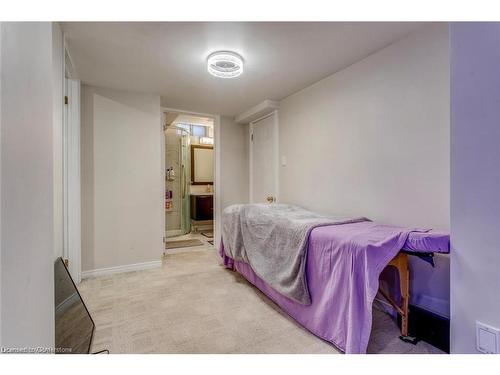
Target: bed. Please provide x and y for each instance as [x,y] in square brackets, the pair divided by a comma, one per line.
[343,282]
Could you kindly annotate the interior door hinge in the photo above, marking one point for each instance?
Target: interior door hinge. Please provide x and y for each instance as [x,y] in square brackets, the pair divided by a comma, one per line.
[66,100]
[251,137]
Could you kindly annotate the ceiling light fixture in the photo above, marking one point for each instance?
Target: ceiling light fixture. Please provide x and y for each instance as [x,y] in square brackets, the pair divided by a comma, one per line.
[225,64]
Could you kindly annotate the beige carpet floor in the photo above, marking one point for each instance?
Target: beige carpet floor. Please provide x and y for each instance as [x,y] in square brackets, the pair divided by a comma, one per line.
[193,305]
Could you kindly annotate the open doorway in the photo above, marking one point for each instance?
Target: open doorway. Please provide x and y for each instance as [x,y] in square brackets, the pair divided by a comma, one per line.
[189,181]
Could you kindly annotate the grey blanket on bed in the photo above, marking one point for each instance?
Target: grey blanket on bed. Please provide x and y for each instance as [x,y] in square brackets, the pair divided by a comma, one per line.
[272,239]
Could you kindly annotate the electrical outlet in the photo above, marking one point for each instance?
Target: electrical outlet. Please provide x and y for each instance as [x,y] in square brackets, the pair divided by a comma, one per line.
[487,338]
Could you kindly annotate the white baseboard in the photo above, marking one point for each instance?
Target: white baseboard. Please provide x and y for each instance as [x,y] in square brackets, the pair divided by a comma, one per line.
[384,306]
[68,302]
[118,269]
[435,305]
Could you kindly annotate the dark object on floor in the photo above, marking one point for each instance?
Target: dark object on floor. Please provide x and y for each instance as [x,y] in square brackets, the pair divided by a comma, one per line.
[74,327]
[102,351]
[182,243]
[409,339]
[211,242]
[208,234]
[429,327]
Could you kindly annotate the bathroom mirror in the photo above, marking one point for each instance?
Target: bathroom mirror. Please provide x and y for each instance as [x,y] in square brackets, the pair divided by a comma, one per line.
[202,165]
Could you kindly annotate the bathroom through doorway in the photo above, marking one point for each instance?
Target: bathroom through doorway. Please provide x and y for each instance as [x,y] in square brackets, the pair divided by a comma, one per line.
[189,180]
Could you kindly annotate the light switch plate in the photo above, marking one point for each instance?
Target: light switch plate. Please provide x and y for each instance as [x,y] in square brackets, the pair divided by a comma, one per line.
[283,161]
[487,338]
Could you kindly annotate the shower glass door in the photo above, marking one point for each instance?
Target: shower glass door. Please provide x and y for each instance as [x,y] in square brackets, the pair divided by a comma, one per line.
[186,178]
[177,175]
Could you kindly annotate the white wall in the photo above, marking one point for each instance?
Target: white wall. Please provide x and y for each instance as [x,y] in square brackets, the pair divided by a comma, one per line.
[27,176]
[232,141]
[0,183]
[373,140]
[475,181]
[122,186]
[234,159]
[57,102]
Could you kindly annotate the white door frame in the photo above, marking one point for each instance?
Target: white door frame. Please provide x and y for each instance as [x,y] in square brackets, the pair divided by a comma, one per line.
[217,174]
[71,179]
[274,113]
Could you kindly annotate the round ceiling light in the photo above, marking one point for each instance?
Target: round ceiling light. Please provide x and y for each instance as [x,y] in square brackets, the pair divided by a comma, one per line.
[225,64]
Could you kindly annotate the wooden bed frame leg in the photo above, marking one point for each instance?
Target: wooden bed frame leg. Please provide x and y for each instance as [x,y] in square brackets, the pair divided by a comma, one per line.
[404,285]
[400,262]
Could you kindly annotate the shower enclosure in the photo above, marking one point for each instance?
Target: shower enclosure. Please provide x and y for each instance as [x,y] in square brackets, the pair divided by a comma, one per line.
[177,175]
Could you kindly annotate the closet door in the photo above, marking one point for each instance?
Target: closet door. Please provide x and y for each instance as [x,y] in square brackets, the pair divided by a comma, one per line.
[263,159]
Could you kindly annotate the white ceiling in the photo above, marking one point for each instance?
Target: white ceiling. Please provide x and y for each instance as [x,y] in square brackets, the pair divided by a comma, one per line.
[169,58]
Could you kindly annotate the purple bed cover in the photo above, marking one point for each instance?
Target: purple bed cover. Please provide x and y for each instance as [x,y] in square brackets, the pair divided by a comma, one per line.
[343,266]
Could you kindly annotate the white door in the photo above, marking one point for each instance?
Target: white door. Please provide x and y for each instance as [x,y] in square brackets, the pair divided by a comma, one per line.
[263,159]
[71,175]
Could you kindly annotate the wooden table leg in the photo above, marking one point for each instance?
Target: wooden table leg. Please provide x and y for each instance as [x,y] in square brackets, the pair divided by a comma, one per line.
[404,285]
[400,262]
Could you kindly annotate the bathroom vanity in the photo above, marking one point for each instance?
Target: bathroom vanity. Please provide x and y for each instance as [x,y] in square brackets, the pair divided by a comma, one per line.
[202,211]
[201,198]
[202,206]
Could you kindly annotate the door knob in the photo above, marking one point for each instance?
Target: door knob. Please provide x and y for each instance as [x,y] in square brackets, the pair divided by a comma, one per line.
[270,199]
